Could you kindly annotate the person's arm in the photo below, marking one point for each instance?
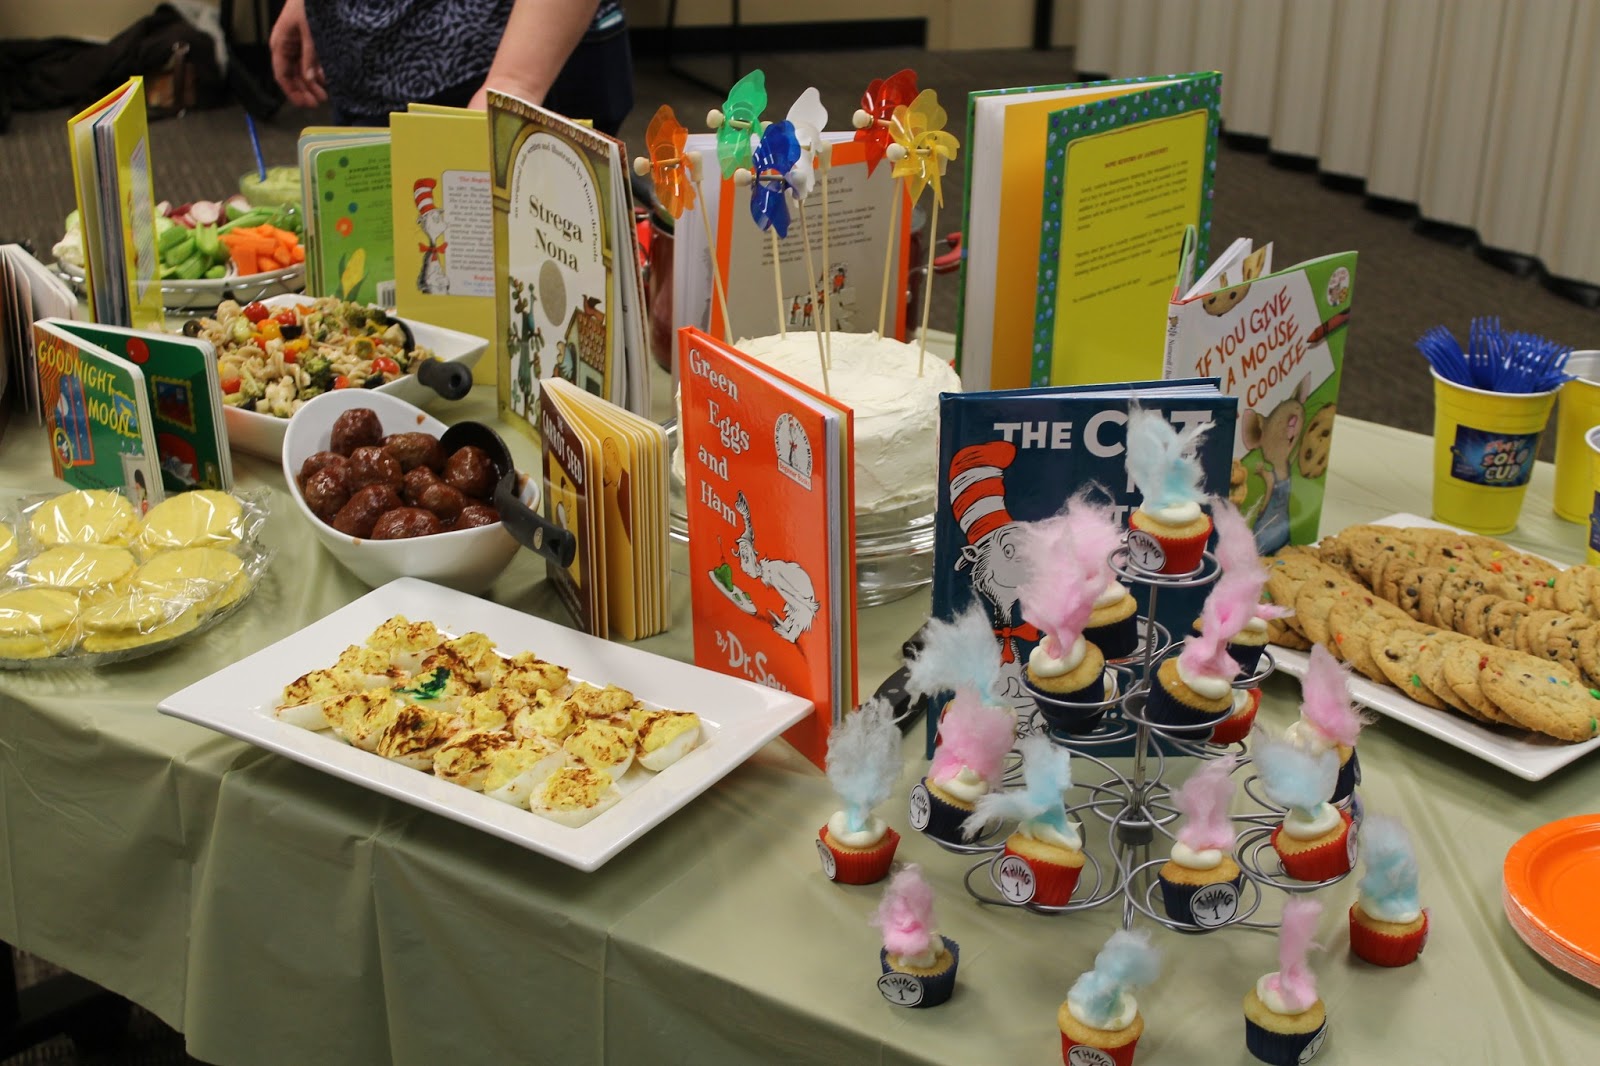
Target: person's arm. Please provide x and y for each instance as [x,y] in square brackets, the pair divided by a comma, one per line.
[538,38]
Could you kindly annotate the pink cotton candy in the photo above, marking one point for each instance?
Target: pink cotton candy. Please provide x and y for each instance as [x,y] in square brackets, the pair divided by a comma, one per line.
[905,914]
[1294,981]
[1234,599]
[1240,562]
[1325,695]
[1066,560]
[1203,801]
[974,736]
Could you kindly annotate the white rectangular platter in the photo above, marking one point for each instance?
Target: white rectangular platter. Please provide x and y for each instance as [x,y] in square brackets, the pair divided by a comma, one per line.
[1528,756]
[737,717]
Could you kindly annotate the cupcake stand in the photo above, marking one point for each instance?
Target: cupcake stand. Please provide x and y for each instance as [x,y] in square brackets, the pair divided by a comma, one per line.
[1134,802]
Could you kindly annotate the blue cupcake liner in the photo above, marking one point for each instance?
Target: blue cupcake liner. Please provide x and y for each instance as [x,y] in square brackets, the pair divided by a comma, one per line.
[1063,711]
[936,988]
[1178,899]
[1349,777]
[1117,640]
[944,818]
[1177,718]
[1283,1049]
[1248,656]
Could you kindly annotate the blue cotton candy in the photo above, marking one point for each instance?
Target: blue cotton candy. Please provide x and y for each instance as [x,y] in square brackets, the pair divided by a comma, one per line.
[1162,461]
[1046,777]
[962,653]
[1127,961]
[1292,776]
[1390,881]
[864,760]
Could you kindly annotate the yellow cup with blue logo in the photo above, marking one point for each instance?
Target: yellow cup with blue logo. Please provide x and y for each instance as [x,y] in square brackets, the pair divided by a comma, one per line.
[1484,446]
[1577,412]
[1591,442]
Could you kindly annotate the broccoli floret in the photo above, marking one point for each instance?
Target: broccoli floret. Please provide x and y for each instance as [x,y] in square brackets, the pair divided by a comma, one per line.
[319,370]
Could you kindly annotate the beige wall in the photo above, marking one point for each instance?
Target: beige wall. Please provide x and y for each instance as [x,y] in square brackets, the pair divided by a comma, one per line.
[952,24]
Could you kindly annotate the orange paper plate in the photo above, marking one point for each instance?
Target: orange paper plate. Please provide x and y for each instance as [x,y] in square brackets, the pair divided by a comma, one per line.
[1552,877]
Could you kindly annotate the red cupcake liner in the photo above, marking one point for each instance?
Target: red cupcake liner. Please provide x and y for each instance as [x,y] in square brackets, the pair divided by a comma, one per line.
[1096,1056]
[1236,727]
[861,867]
[1320,863]
[1052,883]
[1182,553]
[1383,950]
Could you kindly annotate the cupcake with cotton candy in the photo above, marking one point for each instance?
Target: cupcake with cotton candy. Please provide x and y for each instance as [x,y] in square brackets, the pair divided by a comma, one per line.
[1046,842]
[1101,1013]
[919,965]
[1388,926]
[1065,560]
[1113,624]
[863,762]
[1285,1022]
[1237,726]
[1201,882]
[1314,841]
[1329,720]
[1164,466]
[1241,565]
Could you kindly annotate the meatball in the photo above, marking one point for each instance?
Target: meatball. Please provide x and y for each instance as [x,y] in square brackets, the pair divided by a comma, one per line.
[327,490]
[357,517]
[415,481]
[472,471]
[356,428]
[414,450]
[320,461]
[443,499]
[374,466]
[476,514]
[404,522]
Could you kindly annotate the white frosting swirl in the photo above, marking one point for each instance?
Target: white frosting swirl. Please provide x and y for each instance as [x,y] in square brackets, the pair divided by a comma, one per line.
[1127,1009]
[1387,911]
[1173,514]
[1241,700]
[927,958]
[1303,735]
[1267,990]
[1112,593]
[1256,626]
[1190,859]
[1300,827]
[1044,664]
[839,831]
[1049,834]
[965,786]
[1212,688]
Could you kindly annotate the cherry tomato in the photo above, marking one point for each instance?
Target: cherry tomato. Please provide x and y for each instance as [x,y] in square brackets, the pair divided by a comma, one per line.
[286,317]
[290,356]
[385,365]
[230,385]
[256,311]
[341,382]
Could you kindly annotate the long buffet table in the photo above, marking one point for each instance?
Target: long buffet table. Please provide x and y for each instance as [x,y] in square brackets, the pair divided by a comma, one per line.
[275,915]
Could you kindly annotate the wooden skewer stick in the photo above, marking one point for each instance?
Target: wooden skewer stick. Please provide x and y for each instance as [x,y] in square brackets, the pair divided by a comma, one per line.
[816,319]
[827,267]
[888,254]
[927,286]
[777,283]
[716,268]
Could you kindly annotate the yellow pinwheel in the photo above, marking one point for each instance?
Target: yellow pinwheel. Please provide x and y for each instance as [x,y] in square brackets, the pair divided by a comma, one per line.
[922,147]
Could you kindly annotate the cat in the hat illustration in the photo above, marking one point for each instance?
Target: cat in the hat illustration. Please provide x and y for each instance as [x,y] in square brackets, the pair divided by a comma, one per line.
[978,503]
[430,219]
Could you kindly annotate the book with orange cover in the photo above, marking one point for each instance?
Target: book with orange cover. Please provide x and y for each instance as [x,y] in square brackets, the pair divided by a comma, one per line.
[769,481]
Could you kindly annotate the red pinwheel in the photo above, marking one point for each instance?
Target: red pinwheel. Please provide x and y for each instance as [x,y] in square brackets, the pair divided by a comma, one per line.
[883,95]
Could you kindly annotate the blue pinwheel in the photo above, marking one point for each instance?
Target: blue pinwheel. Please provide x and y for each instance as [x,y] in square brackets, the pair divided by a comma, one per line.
[770,161]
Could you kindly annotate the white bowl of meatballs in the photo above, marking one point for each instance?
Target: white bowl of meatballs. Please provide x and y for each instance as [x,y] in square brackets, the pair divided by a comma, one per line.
[367,471]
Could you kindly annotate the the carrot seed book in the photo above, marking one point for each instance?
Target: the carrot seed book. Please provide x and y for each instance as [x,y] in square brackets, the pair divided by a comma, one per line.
[349,219]
[1078,199]
[110,144]
[769,468]
[443,209]
[1276,340]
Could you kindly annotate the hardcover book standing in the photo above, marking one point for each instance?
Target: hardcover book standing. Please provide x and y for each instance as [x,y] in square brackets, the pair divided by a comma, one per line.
[769,469]
[349,221]
[1018,456]
[1276,340]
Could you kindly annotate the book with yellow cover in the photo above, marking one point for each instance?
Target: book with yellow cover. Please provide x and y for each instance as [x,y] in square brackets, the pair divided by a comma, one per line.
[110,143]
[1077,198]
[444,223]
[606,482]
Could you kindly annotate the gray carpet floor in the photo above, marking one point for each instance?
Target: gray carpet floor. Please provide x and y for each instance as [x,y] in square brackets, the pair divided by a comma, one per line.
[1406,282]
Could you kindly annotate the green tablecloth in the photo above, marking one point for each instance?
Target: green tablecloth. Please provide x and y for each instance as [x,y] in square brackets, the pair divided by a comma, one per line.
[277,915]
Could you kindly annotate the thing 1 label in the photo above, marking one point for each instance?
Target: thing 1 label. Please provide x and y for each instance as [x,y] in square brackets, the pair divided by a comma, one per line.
[901,989]
[1501,460]
[1309,1052]
[1016,879]
[1084,1055]
[829,866]
[1215,905]
[921,807]
[1145,552]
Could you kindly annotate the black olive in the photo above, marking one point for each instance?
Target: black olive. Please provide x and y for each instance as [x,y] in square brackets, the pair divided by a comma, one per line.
[292,331]
[192,328]
[248,405]
[373,382]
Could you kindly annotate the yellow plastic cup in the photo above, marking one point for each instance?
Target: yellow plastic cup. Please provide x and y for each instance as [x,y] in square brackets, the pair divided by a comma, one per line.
[1577,412]
[1484,445]
[1592,441]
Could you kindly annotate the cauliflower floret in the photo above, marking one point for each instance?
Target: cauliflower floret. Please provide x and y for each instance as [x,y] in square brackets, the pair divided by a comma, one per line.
[279,399]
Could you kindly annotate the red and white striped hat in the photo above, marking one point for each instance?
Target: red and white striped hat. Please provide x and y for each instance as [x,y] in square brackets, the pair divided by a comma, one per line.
[977,493]
[422,193]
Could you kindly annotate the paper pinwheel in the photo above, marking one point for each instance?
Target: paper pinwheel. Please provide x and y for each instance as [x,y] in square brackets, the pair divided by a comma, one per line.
[771,160]
[667,167]
[808,117]
[738,123]
[922,148]
[883,95]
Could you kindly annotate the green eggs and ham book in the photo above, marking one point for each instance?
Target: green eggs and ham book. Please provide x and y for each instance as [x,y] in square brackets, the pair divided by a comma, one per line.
[1276,340]
[132,410]
[1017,456]
[769,469]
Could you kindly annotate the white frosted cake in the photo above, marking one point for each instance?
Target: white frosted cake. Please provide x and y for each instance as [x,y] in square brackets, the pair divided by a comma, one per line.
[896,412]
